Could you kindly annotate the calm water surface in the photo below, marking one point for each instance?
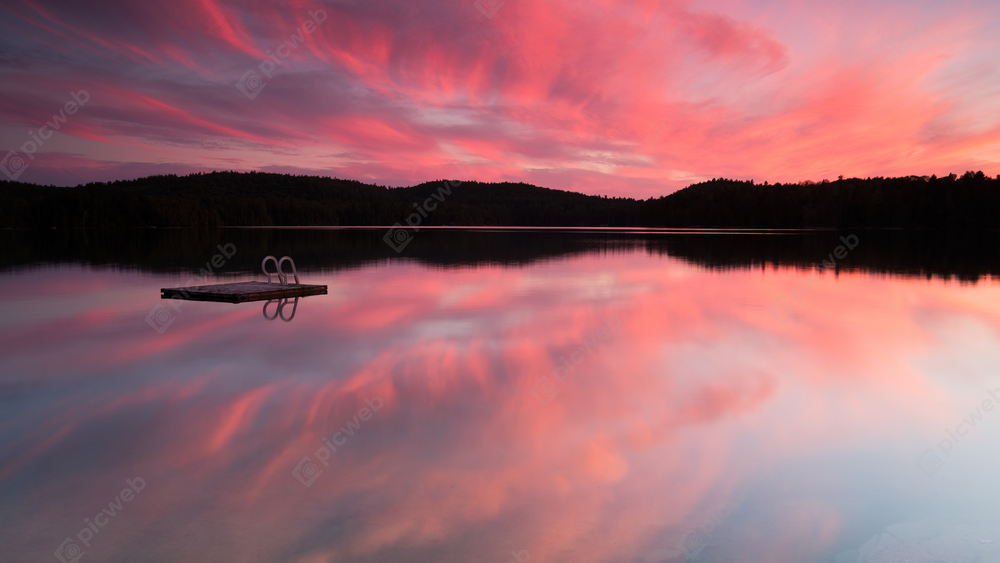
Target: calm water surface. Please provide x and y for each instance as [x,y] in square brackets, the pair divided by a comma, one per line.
[493,397]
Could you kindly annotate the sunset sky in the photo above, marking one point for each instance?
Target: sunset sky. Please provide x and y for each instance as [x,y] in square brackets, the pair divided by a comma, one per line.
[627,98]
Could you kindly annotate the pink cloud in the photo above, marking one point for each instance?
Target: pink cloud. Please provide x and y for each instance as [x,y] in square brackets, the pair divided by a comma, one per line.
[634,99]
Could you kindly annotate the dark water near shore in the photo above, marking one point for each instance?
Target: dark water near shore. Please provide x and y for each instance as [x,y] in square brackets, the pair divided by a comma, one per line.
[491,395]
[965,255]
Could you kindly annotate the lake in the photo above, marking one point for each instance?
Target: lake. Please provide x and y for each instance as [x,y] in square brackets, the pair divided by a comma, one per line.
[495,395]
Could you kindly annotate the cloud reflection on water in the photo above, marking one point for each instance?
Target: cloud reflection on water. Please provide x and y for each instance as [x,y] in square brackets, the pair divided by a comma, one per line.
[699,398]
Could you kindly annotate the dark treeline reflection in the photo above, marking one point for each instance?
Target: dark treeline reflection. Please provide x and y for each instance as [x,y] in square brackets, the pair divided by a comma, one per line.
[963,255]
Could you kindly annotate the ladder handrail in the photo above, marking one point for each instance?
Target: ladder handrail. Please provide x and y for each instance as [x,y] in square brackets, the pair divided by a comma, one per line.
[284,277]
[263,266]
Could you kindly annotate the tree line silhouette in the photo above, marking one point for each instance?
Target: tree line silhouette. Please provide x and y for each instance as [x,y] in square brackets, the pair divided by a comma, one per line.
[971,201]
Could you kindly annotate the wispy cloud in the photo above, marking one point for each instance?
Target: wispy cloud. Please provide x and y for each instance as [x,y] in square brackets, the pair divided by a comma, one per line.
[556,94]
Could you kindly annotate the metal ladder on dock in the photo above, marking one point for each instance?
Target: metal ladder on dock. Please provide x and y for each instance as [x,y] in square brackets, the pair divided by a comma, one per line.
[282,278]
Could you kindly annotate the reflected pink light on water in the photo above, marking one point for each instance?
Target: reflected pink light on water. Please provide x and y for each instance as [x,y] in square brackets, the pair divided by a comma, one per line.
[695,394]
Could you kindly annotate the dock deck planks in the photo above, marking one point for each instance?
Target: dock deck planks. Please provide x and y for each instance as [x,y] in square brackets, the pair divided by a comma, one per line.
[242,292]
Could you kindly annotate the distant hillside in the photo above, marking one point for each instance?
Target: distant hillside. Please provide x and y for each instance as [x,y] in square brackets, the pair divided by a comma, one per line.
[256,199]
[969,202]
[222,198]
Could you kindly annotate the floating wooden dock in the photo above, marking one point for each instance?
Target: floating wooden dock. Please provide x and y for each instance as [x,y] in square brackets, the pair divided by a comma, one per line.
[241,292]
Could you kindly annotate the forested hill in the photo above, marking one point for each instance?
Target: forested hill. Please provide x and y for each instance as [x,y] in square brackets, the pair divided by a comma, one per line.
[257,199]
[969,202]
